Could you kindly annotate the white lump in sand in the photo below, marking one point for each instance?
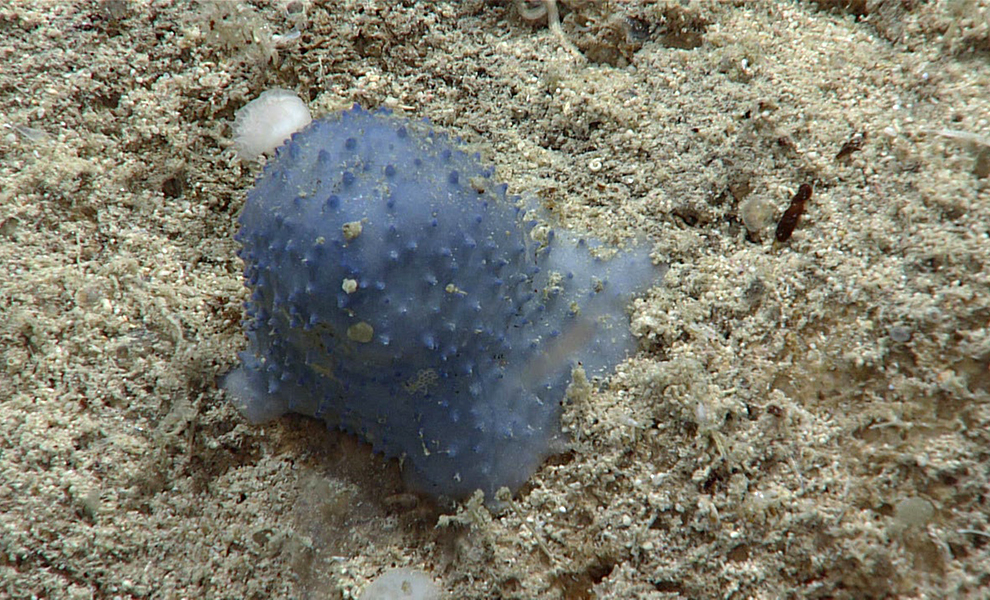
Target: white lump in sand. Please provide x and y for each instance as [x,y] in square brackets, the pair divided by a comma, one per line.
[402,584]
[266,122]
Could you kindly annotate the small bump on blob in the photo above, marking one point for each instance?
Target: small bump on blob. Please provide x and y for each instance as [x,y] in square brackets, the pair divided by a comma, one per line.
[429,342]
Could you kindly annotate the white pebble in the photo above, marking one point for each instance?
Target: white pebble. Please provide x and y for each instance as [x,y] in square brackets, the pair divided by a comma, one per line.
[266,122]
[402,584]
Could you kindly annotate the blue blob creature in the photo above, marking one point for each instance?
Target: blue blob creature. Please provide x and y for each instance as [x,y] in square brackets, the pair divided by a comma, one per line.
[398,294]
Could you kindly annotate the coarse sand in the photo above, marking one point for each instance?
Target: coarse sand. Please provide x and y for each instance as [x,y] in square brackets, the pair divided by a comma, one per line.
[806,418]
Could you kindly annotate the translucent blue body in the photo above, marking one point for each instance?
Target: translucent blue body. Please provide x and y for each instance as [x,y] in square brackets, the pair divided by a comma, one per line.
[398,294]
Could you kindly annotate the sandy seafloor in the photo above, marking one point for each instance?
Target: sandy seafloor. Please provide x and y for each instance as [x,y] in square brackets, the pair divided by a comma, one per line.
[805,420]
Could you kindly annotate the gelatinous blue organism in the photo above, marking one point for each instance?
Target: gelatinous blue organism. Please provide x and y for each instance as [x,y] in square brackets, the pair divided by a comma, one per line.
[399,294]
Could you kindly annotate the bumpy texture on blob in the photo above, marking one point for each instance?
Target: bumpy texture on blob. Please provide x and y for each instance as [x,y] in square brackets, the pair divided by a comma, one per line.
[397,293]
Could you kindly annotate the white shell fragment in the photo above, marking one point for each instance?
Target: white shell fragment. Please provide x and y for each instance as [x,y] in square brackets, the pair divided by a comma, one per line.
[402,584]
[266,122]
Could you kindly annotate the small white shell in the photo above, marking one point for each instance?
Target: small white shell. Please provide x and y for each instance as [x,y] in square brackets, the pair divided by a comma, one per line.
[266,122]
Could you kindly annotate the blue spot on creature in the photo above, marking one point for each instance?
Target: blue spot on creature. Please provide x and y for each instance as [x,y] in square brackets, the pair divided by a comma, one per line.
[397,293]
